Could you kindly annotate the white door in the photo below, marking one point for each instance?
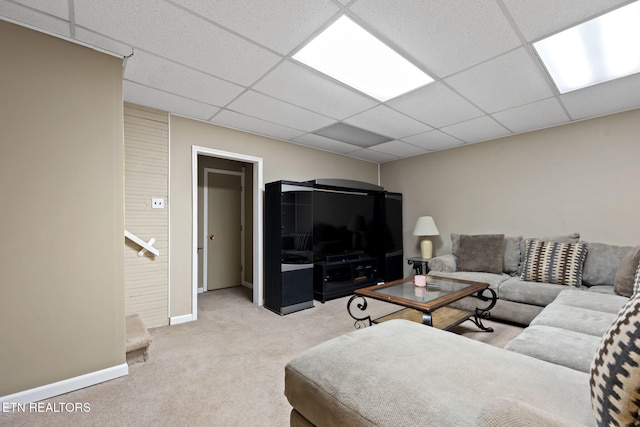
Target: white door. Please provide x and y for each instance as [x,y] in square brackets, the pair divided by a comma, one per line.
[224,230]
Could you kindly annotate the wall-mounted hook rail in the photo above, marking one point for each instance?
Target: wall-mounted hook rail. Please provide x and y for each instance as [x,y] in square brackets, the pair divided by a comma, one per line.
[146,246]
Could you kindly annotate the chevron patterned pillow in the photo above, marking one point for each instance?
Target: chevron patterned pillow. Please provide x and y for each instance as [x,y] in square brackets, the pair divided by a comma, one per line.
[615,370]
[636,282]
[553,262]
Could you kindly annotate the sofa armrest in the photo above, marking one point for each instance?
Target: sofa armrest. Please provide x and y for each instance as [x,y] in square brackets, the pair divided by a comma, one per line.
[507,412]
[445,263]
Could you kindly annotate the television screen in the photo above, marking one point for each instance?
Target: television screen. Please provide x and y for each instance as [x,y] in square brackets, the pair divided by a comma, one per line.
[343,223]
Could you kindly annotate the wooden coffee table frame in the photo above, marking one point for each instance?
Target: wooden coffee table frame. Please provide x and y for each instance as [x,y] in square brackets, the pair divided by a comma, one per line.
[431,313]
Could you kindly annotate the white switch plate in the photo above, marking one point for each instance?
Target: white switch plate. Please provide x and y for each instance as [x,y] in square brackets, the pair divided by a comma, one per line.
[157,203]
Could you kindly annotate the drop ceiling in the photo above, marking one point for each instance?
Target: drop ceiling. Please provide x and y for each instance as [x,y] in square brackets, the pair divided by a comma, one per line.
[230,63]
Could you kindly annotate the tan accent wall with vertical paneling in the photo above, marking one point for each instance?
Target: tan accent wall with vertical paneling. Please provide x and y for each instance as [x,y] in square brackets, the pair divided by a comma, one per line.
[61,226]
[146,278]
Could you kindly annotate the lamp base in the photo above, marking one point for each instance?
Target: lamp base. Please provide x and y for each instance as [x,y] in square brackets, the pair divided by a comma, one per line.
[426,248]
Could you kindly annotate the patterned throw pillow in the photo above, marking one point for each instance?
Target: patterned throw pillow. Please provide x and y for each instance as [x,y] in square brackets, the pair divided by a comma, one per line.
[615,370]
[553,262]
[636,282]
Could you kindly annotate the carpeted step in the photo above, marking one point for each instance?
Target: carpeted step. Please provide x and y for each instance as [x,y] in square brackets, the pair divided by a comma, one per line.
[138,340]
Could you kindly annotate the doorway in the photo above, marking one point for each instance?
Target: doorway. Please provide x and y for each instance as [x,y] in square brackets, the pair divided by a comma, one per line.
[223,229]
[252,250]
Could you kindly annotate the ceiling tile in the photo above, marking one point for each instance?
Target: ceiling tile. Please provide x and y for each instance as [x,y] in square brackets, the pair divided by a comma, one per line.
[57,8]
[436,105]
[327,144]
[156,72]
[445,36]
[385,121]
[235,120]
[277,24]
[33,18]
[107,44]
[399,149]
[539,18]
[372,156]
[300,86]
[476,130]
[606,98]
[507,81]
[154,98]
[171,32]
[433,140]
[272,110]
[537,115]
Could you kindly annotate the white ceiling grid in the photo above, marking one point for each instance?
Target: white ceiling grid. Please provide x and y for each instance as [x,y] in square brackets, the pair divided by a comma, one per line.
[230,63]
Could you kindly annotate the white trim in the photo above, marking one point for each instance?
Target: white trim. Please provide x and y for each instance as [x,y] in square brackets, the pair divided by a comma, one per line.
[169,217]
[258,192]
[66,386]
[205,222]
[65,38]
[185,318]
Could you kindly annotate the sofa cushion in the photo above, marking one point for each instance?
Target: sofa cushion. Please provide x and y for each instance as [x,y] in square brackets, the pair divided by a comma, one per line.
[534,293]
[593,301]
[577,319]
[623,282]
[602,262]
[636,282]
[403,373]
[554,262]
[481,252]
[538,341]
[601,289]
[446,263]
[494,280]
[615,370]
[509,412]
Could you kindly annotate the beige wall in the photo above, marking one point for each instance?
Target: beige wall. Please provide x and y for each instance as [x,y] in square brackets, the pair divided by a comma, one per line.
[580,177]
[281,160]
[61,251]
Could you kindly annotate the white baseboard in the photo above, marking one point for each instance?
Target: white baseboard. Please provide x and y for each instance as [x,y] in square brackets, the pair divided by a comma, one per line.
[247,284]
[66,386]
[176,320]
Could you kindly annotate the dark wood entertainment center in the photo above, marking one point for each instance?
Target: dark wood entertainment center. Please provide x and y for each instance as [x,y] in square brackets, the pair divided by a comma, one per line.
[326,238]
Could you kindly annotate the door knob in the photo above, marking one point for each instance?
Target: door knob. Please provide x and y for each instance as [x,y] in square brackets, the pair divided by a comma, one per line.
[211,237]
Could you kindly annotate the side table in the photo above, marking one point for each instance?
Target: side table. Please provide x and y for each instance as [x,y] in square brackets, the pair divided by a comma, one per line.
[420,265]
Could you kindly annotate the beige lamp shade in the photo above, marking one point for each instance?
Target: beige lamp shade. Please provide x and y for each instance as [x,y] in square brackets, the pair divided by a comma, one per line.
[426,226]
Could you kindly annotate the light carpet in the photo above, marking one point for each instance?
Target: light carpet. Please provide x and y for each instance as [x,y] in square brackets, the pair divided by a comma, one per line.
[225,369]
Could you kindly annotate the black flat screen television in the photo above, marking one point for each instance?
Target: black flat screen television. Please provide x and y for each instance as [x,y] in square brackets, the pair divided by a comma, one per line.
[343,224]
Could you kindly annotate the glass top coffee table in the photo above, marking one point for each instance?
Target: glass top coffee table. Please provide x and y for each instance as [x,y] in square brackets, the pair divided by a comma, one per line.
[427,305]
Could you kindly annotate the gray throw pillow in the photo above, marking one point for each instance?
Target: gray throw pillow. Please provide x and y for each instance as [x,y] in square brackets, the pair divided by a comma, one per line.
[511,254]
[624,280]
[480,252]
[602,263]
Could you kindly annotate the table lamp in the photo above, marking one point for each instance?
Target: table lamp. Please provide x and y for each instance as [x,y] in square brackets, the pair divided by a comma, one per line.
[425,226]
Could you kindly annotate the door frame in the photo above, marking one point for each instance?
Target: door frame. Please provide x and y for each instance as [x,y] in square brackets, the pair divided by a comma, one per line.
[258,194]
[205,222]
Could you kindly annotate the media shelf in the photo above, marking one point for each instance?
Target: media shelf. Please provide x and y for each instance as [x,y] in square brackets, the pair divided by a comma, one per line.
[337,278]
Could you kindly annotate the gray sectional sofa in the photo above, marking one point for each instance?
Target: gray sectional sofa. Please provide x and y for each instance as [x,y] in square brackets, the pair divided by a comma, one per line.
[400,373]
[520,301]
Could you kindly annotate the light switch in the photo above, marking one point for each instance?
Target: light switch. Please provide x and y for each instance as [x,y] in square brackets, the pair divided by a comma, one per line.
[157,203]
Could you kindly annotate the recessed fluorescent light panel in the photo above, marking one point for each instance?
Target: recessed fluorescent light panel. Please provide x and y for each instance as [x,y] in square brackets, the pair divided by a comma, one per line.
[599,50]
[348,53]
